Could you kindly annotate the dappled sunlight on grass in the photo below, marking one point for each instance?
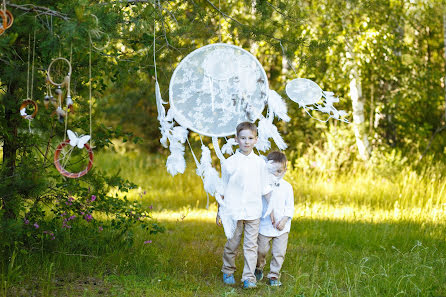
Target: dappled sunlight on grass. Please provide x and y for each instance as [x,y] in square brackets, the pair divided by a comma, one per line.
[362,196]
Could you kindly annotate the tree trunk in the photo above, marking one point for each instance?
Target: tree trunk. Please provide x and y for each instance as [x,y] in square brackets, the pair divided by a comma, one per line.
[9,151]
[362,141]
[444,82]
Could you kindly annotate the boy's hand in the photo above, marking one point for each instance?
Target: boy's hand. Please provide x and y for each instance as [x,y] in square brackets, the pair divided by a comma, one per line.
[273,220]
[218,220]
[282,223]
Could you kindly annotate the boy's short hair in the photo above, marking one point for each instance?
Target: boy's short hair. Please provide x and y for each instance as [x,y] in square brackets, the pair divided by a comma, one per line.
[277,156]
[246,126]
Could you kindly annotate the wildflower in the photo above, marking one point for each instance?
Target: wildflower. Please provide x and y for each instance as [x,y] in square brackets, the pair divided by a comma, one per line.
[26,222]
[93,198]
[150,206]
[147,241]
[72,217]
[71,199]
[36,226]
[100,228]
[88,217]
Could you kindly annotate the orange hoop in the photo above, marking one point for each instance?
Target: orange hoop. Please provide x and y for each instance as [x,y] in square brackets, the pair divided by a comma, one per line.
[4,15]
[25,104]
[10,19]
[65,172]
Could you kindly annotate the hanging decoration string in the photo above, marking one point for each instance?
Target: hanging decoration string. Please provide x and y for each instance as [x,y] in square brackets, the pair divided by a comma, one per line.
[32,67]
[89,88]
[219,22]
[29,62]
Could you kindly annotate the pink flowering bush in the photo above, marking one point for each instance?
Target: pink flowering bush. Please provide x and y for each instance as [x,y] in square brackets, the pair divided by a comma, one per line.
[81,215]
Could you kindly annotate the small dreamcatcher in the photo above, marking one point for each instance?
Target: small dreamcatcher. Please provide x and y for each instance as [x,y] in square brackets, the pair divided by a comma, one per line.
[57,69]
[28,108]
[310,96]
[70,156]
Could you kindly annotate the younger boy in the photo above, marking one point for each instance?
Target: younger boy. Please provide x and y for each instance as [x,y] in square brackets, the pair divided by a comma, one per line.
[244,181]
[275,227]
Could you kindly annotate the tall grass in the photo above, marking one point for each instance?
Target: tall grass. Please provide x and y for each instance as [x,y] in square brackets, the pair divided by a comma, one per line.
[359,233]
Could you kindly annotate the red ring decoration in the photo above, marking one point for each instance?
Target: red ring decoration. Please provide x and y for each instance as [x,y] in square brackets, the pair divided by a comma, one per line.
[65,172]
[25,104]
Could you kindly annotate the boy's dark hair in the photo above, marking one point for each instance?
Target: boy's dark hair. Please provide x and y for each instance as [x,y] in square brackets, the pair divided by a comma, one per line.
[276,156]
[246,126]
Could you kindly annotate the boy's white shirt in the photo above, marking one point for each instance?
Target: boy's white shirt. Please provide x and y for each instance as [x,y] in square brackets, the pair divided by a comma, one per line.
[282,203]
[244,181]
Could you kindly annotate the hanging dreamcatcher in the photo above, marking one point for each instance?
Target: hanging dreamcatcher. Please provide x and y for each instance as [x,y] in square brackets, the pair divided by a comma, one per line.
[72,153]
[63,81]
[213,89]
[28,107]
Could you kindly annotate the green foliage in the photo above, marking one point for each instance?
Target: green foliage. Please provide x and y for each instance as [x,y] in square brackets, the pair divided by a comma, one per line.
[39,207]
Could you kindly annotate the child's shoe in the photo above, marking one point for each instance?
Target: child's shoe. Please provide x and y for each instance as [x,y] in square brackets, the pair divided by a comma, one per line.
[259,274]
[228,279]
[274,282]
[249,285]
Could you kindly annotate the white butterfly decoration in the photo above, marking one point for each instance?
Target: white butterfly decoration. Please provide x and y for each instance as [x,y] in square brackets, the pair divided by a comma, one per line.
[76,140]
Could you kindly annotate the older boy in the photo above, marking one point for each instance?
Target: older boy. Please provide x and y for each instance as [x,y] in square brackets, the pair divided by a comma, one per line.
[244,180]
[275,227]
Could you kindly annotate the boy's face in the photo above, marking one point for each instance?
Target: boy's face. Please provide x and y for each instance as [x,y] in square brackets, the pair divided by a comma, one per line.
[246,140]
[278,169]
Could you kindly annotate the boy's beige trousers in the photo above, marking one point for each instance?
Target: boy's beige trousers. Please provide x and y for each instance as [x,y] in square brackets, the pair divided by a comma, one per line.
[278,252]
[251,228]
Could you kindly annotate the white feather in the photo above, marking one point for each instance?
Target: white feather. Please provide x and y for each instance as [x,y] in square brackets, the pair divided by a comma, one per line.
[179,134]
[211,178]
[227,147]
[277,105]
[175,164]
[267,130]
[263,143]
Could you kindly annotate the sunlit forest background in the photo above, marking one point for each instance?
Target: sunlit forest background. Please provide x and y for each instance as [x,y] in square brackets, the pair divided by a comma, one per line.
[370,196]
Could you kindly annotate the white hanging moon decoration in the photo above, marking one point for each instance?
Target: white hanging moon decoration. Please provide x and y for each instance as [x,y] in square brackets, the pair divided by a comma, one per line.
[216,87]
[303,91]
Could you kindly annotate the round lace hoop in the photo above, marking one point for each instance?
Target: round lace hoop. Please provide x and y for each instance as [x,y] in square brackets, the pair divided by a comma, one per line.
[24,104]
[303,91]
[212,103]
[62,170]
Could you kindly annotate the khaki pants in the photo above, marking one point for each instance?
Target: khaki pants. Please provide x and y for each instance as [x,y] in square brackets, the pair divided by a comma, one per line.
[278,252]
[249,249]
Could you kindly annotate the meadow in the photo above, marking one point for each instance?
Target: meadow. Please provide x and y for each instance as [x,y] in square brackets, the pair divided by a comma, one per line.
[359,233]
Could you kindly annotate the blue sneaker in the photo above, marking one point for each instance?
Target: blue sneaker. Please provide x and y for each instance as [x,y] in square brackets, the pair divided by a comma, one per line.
[249,285]
[228,279]
[259,274]
[274,282]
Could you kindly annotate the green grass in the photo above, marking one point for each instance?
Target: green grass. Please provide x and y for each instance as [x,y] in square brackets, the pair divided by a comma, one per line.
[352,235]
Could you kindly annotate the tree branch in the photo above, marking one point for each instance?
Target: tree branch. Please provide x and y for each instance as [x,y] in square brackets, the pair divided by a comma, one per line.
[40,10]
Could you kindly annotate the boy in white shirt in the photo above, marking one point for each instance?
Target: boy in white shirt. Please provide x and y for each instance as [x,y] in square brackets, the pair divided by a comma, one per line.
[275,227]
[244,177]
